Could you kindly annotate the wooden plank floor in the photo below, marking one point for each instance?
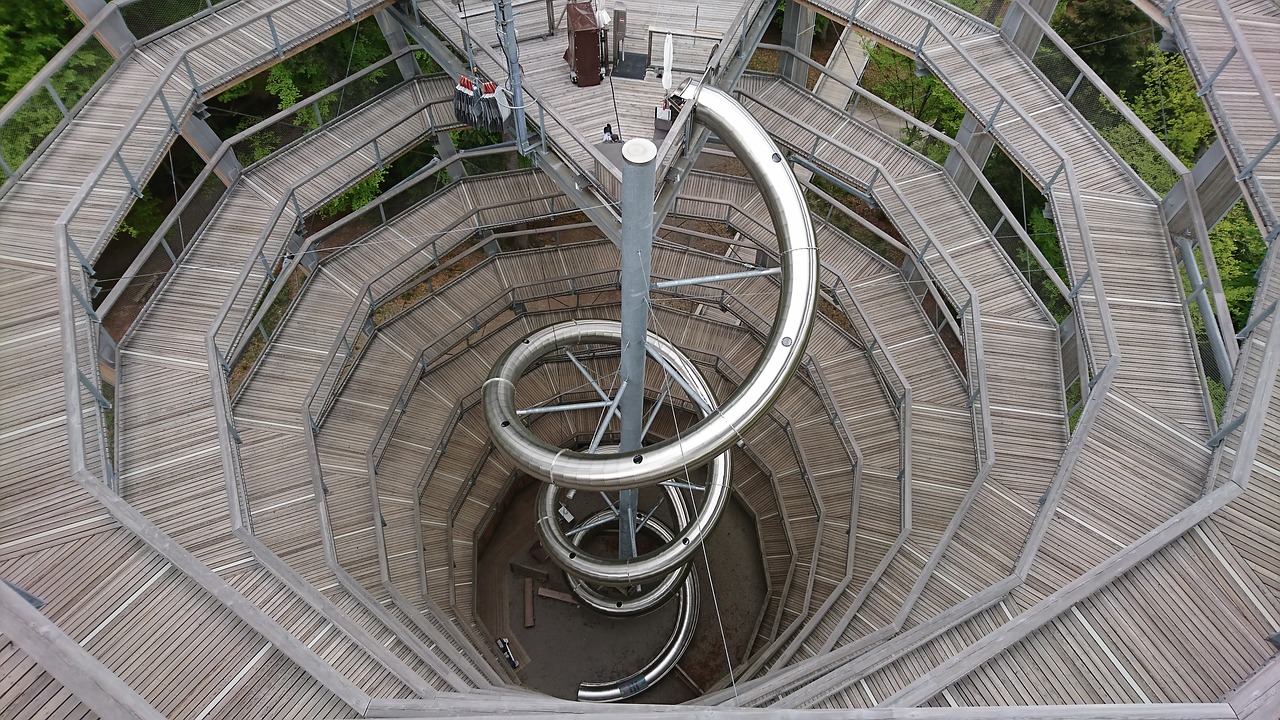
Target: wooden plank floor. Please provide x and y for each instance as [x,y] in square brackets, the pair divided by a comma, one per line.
[627,105]
[1212,589]
[31,692]
[50,513]
[1235,101]
[281,489]
[169,458]
[1005,331]
[1142,407]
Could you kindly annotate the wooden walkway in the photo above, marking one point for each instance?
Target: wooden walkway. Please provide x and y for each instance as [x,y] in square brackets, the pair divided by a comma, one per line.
[889,317]
[1128,571]
[1245,114]
[110,582]
[1137,413]
[282,485]
[1019,349]
[168,457]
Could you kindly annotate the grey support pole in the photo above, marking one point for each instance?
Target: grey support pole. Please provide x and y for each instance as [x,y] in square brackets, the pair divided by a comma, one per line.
[505,18]
[118,40]
[407,64]
[971,136]
[639,170]
[1199,293]
[797,33]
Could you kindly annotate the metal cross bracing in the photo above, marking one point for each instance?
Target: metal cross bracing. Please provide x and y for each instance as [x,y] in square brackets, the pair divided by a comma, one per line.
[1195,544]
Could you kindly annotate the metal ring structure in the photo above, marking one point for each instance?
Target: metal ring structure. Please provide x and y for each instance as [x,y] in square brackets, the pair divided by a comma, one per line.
[783,350]
[640,603]
[692,532]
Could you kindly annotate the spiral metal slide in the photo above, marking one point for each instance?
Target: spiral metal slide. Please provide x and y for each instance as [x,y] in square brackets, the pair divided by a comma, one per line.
[665,570]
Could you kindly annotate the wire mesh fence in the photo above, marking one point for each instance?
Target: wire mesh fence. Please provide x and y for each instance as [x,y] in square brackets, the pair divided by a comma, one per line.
[151,267]
[1004,230]
[147,17]
[55,99]
[1087,97]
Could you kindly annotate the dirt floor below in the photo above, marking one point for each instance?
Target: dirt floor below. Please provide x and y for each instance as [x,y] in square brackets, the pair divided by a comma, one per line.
[569,644]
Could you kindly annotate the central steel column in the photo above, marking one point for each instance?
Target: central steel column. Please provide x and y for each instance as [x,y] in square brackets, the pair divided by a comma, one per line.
[638,180]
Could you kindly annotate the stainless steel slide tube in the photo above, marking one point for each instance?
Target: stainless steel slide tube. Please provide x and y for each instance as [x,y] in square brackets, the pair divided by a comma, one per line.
[638,603]
[691,532]
[783,351]
[681,636]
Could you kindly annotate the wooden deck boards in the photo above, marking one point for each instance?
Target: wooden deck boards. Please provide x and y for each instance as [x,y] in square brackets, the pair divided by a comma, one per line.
[586,110]
[1167,407]
[1235,102]
[1114,638]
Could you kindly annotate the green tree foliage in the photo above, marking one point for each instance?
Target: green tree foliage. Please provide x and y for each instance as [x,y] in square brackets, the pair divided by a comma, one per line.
[356,197]
[1238,249]
[1141,156]
[30,34]
[1168,104]
[893,77]
[299,77]
[1109,35]
[821,23]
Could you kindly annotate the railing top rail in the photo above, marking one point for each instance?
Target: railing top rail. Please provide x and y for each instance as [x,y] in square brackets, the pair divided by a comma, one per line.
[282,205]
[157,89]
[876,340]
[1245,48]
[1066,165]
[950,142]
[1119,104]
[364,292]
[888,179]
[60,59]
[228,146]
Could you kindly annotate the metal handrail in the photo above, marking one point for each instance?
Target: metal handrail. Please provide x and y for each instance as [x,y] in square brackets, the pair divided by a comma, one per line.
[1240,45]
[81,369]
[899,392]
[969,320]
[677,136]
[367,299]
[1065,167]
[749,227]
[289,202]
[920,255]
[881,173]
[1199,226]
[43,79]
[228,146]
[1102,377]
[174,113]
[1005,213]
[237,494]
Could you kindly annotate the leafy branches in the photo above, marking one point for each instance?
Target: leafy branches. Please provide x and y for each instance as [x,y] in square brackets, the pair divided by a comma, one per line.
[30,34]
[893,77]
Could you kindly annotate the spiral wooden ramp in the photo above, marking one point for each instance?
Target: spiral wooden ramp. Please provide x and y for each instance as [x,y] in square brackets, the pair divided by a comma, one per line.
[943,536]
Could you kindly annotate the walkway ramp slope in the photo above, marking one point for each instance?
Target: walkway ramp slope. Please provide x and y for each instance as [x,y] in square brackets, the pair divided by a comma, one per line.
[1154,403]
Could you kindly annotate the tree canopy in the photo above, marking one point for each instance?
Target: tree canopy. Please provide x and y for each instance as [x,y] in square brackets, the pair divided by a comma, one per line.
[31,33]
